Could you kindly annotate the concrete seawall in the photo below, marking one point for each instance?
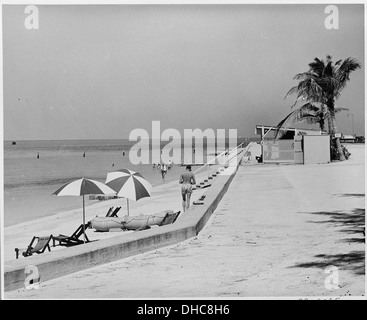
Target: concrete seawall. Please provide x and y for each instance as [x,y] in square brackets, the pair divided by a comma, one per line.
[62,262]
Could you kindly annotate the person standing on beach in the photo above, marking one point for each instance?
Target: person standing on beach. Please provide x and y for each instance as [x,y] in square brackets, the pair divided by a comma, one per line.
[163,171]
[187,179]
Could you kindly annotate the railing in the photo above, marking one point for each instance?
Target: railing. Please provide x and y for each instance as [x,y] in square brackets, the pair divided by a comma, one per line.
[223,159]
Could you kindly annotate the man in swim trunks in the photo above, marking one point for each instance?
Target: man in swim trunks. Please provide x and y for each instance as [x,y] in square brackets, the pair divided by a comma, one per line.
[163,171]
[187,179]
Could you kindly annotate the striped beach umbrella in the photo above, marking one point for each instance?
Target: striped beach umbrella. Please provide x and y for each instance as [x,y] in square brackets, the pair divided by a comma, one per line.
[129,184]
[82,187]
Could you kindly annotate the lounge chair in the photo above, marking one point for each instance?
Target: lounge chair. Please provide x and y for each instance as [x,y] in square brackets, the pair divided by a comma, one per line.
[109,212]
[114,213]
[170,218]
[42,244]
[200,200]
[74,238]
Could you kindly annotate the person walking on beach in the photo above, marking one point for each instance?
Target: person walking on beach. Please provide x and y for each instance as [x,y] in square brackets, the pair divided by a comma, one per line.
[163,171]
[187,179]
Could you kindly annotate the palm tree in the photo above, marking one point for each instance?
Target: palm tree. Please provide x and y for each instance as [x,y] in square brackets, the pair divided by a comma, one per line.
[310,113]
[322,85]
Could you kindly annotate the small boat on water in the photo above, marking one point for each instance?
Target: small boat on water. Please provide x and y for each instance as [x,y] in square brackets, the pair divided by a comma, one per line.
[139,222]
[13,143]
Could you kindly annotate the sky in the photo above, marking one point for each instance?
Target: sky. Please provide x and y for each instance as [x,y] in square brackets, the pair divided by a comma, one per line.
[99,72]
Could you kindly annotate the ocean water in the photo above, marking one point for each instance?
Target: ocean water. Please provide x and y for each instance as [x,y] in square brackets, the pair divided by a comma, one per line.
[29,181]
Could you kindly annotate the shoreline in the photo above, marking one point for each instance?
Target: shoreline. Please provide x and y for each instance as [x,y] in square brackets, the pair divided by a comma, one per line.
[70,207]
[28,200]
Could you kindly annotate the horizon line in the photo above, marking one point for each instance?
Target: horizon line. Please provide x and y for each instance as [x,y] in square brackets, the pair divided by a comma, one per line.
[150,139]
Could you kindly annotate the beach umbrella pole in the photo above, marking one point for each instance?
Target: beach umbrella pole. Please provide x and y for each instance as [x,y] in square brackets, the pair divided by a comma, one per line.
[83,218]
[82,187]
[127,206]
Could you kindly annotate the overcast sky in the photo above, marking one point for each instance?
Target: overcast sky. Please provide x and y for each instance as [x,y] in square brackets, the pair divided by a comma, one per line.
[98,72]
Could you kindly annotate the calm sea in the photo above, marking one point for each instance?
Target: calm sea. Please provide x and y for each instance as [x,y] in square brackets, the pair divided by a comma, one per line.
[29,180]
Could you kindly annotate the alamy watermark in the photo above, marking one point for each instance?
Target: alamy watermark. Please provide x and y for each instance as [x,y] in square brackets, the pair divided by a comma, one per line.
[33,279]
[192,140]
[332,20]
[332,280]
[32,19]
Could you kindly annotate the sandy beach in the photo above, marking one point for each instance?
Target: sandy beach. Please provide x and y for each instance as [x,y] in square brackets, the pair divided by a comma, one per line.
[96,88]
[165,196]
[274,234]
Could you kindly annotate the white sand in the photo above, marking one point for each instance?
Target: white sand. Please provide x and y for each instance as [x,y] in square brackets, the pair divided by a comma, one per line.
[273,234]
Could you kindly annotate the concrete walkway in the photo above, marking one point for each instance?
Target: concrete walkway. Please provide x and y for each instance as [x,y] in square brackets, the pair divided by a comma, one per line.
[274,234]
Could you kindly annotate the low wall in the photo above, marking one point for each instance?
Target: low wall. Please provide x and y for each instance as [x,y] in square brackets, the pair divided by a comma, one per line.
[62,262]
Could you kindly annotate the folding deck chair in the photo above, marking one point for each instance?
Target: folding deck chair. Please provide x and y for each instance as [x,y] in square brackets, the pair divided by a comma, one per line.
[114,213]
[42,244]
[109,212]
[200,200]
[74,238]
[170,218]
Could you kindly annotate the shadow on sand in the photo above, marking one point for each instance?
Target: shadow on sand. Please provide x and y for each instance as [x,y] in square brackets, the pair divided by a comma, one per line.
[353,261]
[349,223]
[356,195]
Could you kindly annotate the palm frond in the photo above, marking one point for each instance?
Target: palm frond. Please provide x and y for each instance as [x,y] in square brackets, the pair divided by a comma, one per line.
[317,67]
[328,71]
[343,71]
[309,113]
[306,75]
[336,110]
[291,91]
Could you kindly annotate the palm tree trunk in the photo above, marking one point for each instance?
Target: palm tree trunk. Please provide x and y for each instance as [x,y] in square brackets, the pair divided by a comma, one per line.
[322,123]
[328,122]
[332,130]
[323,118]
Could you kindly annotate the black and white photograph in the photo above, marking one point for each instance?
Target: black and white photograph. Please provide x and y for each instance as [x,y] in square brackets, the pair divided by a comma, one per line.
[179,150]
